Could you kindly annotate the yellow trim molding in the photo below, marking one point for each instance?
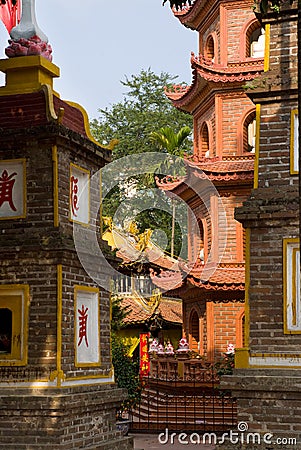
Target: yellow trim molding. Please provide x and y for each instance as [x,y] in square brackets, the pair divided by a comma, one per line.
[111,144]
[27,74]
[257,146]
[48,92]
[293,157]
[291,286]
[242,354]
[266,64]
[241,358]
[247,286]
[60,374]
[55,187]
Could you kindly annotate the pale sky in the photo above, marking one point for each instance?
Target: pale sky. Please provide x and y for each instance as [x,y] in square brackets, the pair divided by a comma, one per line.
[97,42]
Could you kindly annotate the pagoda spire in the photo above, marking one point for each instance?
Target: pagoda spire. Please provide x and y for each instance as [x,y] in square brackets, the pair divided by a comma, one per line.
[26,37]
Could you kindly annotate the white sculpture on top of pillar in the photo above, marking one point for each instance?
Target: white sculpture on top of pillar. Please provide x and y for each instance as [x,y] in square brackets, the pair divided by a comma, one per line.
[27,38]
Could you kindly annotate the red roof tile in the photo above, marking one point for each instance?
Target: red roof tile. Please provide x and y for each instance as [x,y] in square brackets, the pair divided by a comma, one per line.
[224,277]
[215,169]
[226,166]
[170,310]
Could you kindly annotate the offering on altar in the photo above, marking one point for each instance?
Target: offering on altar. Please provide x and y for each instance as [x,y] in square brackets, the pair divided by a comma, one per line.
[183,346]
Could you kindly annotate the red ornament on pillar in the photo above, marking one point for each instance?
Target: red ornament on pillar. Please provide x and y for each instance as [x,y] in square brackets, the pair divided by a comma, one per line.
[10,14]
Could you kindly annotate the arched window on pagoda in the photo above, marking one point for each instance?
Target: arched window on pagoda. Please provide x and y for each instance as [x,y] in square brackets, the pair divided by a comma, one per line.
[209,48]
[194,332]
[200,244]
[255,41]
[204,149]
[249,133]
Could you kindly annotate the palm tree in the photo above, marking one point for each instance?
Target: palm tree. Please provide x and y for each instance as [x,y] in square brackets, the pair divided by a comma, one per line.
[170,141]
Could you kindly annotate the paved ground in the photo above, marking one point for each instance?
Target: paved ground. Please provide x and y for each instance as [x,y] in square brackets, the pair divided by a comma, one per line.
[150,441]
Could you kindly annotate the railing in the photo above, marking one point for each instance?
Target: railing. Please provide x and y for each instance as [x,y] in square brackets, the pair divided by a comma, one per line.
[183,395]
[183,368]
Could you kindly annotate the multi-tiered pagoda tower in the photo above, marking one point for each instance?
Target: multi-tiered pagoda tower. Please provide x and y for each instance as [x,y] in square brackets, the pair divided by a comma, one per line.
[231,53]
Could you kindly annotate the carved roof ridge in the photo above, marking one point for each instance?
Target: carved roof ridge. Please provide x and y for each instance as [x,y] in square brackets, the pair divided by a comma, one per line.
[180,91]
[234,72]
[231,67]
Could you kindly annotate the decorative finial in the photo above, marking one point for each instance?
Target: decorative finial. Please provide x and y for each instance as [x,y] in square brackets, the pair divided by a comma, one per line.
[27,38]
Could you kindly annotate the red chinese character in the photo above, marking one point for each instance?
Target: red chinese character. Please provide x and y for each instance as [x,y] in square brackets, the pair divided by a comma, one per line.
[74,197]
[82,332]
[6,189]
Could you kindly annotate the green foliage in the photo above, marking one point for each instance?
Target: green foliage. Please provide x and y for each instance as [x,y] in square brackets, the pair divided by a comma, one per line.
[126,372]
[225,365]
[264,6]
[118,314]
[172,142]
[143,110]
[125,368]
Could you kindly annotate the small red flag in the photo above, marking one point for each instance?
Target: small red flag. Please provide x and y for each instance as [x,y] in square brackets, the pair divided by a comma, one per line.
[10,14]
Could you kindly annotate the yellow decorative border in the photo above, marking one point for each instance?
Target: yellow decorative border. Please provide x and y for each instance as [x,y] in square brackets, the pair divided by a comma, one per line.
[78,288]
[48,92]
[59,374]
[100,204]
[23,216]
[55,187]
[266,64]
[257,142]
[89,196]
[242,354]
[24,288]
[286,242]
[111,144]
[90,377]
[294,113]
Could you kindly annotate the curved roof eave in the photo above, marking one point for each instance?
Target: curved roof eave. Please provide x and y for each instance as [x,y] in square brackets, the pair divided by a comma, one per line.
[188,13]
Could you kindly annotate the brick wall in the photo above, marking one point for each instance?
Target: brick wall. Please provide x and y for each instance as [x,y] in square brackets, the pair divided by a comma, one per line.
[236,20]
[225,316]
[83,414]
[218,328]
[235,106]
[32,254]
[268,390]
[69,419]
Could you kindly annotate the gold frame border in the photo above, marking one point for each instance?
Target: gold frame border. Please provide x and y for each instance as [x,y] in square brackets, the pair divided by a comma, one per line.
[286,242]
[294,112]
[25,304]
[257,146]
[55,187]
